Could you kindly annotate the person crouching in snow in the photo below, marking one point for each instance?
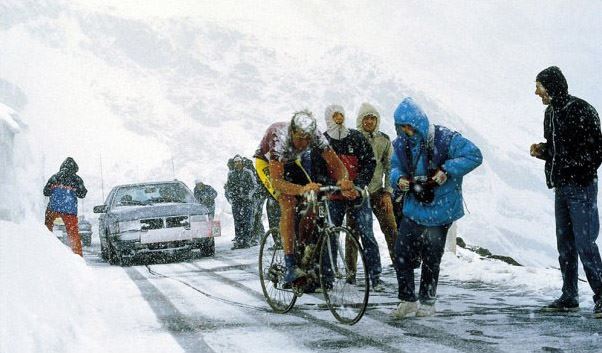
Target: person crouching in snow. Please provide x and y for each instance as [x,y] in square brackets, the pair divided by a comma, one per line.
[64,188]
[428,164]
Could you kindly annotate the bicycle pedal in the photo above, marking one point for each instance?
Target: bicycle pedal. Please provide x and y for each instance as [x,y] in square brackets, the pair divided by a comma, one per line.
[298,286]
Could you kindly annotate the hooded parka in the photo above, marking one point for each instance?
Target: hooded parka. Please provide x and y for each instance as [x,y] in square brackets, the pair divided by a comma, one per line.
[382,148]
[462,157]
[573,148]
[64,188]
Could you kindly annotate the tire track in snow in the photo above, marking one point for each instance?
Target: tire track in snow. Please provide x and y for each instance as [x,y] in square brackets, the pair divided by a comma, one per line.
[346,332]
[183,329]
[411,327]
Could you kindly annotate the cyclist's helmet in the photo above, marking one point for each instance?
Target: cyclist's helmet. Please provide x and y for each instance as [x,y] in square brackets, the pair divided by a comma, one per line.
[303,121]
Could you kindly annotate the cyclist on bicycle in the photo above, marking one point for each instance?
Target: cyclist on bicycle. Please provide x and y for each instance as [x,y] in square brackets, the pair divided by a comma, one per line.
[279,168]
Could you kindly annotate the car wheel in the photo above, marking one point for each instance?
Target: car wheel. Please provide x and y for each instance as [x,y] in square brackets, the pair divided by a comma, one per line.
[103,252]
[208,249]
[125,260]
[114,256]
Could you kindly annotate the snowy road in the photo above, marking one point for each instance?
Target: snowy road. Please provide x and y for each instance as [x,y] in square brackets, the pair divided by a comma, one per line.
[216,305]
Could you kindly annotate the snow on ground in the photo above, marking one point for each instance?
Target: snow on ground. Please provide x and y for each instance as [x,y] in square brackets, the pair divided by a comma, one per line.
[46,292]
[51,301]
[467,266]
[159,93]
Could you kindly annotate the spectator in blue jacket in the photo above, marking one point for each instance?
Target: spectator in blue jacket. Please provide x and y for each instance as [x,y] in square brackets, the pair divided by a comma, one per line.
[428,164]
[64,188]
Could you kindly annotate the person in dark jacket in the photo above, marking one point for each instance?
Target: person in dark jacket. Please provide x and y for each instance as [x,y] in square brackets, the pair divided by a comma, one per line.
[239,190]
[357,155]
[205,195]
[64,188]
[573,152]
[428,164]
[259,198]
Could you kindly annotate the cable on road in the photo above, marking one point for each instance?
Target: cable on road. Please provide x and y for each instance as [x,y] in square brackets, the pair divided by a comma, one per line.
[208,295]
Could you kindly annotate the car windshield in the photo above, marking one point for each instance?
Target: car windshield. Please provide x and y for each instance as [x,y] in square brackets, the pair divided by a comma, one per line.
[142,195]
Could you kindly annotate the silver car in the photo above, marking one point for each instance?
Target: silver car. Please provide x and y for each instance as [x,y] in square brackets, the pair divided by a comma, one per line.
[156,217]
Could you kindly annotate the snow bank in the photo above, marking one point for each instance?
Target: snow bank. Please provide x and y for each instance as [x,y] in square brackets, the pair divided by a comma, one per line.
[467,266]
[46,294]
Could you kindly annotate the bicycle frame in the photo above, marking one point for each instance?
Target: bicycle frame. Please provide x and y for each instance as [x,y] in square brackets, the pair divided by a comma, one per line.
[325,227]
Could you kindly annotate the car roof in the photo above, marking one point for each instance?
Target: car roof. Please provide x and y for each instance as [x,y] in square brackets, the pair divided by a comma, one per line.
[150,183]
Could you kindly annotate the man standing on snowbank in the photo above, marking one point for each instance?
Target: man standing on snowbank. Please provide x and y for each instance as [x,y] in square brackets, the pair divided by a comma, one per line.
[573,152]
[64,188]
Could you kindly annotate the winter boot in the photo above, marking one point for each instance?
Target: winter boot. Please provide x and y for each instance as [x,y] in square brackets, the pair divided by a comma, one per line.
[378,285]
[426,310]
[350,278]
[404,309]
[562,305]
[292,271]
[598,309]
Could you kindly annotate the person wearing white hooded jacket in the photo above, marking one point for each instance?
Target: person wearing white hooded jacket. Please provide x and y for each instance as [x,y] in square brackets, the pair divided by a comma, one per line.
[356,154]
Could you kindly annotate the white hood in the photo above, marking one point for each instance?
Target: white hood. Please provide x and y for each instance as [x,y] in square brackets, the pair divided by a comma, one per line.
[335,131]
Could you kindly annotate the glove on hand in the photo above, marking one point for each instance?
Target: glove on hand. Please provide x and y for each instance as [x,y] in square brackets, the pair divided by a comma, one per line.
[537,149]
[404,184]
[440,177]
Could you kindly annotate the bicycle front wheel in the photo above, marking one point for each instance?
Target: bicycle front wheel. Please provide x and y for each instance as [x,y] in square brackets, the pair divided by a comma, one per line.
[271,273]
[344,279]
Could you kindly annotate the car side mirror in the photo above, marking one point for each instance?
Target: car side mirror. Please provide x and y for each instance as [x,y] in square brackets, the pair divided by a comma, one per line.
[101,209]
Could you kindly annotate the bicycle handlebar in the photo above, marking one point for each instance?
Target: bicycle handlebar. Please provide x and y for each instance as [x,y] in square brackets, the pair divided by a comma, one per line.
[312,197]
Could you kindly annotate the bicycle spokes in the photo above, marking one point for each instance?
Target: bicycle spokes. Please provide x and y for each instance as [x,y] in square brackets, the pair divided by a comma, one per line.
[271,273]
[346,289]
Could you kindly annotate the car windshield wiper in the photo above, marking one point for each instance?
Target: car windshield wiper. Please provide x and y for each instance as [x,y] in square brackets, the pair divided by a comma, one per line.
[132,203]
[166,200]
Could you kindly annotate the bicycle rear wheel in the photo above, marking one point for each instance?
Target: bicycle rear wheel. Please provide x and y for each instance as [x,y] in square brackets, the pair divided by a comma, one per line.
[346,290]
[271,273]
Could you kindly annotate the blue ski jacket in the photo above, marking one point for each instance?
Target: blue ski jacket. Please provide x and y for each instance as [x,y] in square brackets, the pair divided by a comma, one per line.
[64,188]
[432,147]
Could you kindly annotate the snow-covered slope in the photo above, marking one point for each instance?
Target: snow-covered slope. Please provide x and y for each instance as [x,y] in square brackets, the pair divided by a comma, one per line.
[46,293]
[160,92]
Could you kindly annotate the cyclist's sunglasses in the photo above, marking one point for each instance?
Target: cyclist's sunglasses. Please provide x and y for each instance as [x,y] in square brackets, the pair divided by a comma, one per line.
[301,135]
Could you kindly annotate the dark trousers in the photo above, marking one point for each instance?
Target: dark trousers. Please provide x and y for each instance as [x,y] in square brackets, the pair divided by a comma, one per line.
[258,229]
[416,243]
[577,228]
[242,212]
[273,210]
[362,219]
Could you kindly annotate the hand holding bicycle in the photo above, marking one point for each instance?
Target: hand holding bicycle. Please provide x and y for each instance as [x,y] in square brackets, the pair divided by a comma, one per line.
[348,189]
[306,189]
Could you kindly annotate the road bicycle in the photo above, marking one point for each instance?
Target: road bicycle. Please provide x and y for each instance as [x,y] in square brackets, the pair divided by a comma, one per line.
[322,256]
